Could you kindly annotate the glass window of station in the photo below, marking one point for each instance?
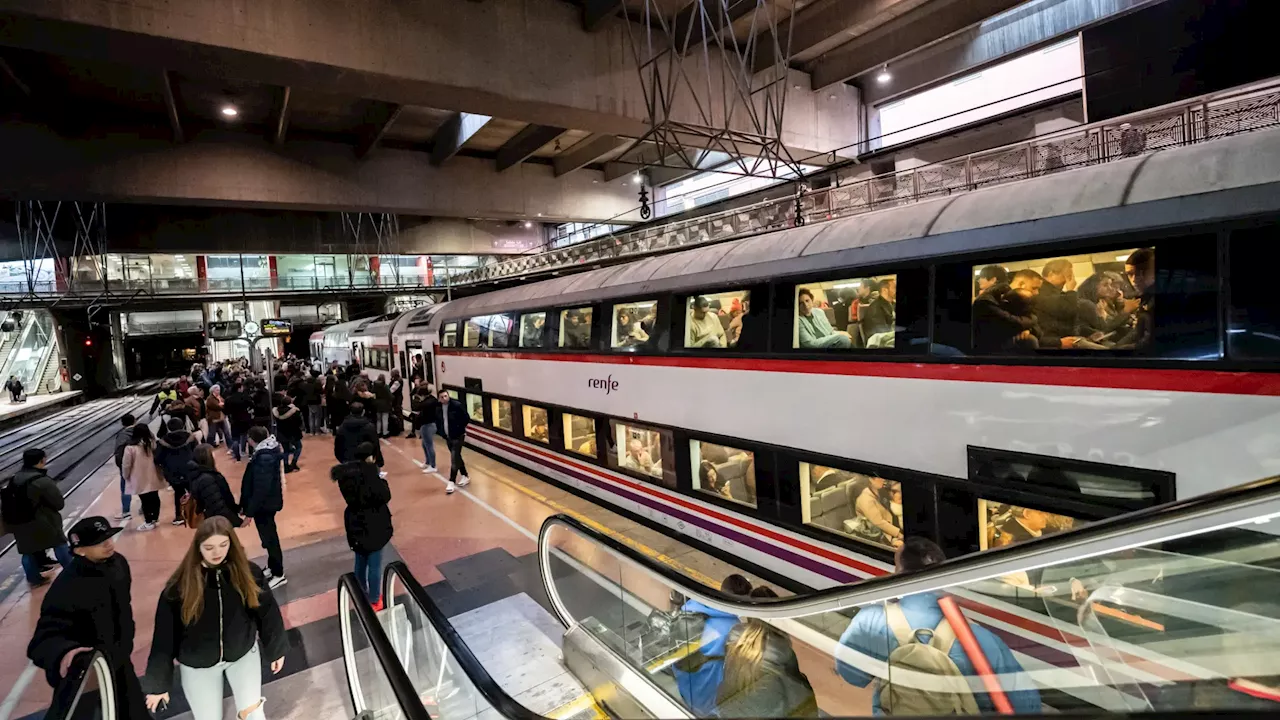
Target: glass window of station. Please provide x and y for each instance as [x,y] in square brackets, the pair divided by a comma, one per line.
[475,408]
[531,329]
[535,423]
[644,451]
[633,324]
[1097,301]
[855,313]
[866,508]
[502,414]
[575,328]
[579,434]
[714,320]
[723,471]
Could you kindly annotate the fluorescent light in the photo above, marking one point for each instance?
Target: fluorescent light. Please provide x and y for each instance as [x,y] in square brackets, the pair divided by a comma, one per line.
[637,177]
[528,224]
[846,285]
[230,111]
[1122,258]
[884,75]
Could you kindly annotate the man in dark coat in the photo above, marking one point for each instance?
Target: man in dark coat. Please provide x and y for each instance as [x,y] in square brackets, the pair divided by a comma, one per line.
[880,315]
[382,405]
[32,511]
[174,452]
[367,518]
[262,496]
[355,429]
[89,608]
[1058,308]
[1003,319]
[239,409]
[451,423]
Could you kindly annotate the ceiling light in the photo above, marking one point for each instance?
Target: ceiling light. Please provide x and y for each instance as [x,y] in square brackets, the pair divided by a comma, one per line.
[229,111]
[637,178]
[884,75]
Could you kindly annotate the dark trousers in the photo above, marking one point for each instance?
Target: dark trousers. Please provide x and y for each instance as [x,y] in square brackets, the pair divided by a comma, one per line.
[270,537]
[456,463]
[150,506]
[292,451]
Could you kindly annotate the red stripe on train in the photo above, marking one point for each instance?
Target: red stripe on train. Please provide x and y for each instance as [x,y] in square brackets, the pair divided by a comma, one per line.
[1205,381]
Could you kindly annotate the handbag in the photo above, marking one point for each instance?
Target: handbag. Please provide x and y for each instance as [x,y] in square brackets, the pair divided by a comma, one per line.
[191,516]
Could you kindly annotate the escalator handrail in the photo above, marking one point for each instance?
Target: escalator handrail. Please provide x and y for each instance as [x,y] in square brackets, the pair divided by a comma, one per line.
[488,688]
[1170,521]
[396,676]
[70,689]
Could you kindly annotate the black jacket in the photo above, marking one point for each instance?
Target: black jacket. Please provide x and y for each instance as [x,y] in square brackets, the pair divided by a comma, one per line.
[353,431]
[425,408]
[1056,313]
[779,689]
[261,490]
[123,436]
[999,316]
[381,397]
[877,318]
[367,517]
[45,529]
[239,409]
[87,605]
[310,391]
[213,494]
[288,423]
[225,630]
[457,420]
[174,453]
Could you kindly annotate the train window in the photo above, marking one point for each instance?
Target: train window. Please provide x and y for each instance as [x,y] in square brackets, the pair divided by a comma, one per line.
[472,331]
[643,451]
[449,336]
[453,394]
[714,321]
[1005,524]
[857,313]
[531,329]
[633,324]
[501,410]
[579,434]
[475,407]
[1102,485]
[1095,301]
[723,471]
[499,331]
[866,508]
[535,423]
[1254,332]
[575,328]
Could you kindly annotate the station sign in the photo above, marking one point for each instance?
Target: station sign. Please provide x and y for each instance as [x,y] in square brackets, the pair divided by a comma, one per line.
[225,330]
[275,327]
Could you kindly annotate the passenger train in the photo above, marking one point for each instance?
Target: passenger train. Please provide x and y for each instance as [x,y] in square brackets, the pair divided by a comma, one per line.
[803,398]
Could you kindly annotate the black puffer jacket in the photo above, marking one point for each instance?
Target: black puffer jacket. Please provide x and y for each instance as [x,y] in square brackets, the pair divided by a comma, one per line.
[88,605]
[354,430]
[367,517]
[44,531]
[226,629]
[212,494]
[288,423]
[174,453]
[381,397]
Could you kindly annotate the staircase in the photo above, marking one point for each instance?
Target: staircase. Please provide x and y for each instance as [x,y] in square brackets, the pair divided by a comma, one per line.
[48,377]
[7,345]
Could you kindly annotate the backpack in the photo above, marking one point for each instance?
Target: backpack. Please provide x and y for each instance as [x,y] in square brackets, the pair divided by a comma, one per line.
[16,507]
[949,692]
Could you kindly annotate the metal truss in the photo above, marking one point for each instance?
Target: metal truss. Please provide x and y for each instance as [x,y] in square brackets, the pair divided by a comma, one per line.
[703,90]
[45,230]
[371,235]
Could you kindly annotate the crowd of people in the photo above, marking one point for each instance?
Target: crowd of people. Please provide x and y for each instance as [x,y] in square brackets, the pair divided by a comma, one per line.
[1030,310]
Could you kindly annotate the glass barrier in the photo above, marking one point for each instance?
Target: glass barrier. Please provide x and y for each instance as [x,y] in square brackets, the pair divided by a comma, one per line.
[375,679]
[88,692]
[1167,610]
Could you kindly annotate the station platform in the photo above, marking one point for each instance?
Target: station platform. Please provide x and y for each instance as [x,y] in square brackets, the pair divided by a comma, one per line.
[473,551]
[11,411]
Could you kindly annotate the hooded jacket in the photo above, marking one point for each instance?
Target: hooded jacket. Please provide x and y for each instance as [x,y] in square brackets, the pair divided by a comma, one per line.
[698,678]
[239,408]
[212,494]
[123,436]
[381,397]
[354,430]
[260,489]
[367,518]
[45,529]
[174,453]
[288,423]
[88,605]
[225,631]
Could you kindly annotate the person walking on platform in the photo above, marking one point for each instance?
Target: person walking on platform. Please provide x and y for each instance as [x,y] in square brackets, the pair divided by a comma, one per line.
[89,607]
[452,421]
[174,452]
[312,399]
[395,421]
[142,475]
[338,399]
[15,388]
[289,431]
[240,409]
[356,429]
[262,496]
[426,407]
[219,427]
[215,618]
[31,507]
[123,436]
[209,488]
[163,398]
[367,518]
[382,405]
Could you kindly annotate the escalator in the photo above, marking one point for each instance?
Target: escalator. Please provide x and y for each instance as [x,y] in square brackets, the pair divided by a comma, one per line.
[1169,611]
[88,692]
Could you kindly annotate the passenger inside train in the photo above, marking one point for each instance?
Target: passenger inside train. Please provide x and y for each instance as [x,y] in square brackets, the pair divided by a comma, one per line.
[579,434]
[632,324]
[535,423]
[859,313]
[644,451]
[1040,305]
[531,326]
[575,328]
[716,320]
[727,472]
[864,507]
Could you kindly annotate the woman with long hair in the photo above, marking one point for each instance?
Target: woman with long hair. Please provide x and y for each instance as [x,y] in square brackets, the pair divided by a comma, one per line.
[210,618]
[367,518]
[762,677]
[141,475]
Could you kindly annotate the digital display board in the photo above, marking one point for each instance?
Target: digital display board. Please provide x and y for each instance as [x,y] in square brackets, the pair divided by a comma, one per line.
[274,327]
[225,330]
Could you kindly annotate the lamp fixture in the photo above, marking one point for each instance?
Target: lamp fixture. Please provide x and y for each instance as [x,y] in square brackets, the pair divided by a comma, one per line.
[229,111]
[884,76]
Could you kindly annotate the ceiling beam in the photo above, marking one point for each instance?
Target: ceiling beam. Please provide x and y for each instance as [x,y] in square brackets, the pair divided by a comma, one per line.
[595,12]
[906,33]
[282,116]
[171,104]
[453,134]
[585,152]
[690,21]
[825,19]
[525,143]
[378,121]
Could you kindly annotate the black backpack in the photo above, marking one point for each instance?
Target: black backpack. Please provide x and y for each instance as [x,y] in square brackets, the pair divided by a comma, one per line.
[16,507]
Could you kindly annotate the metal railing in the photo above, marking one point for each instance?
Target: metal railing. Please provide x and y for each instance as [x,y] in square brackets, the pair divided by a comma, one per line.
[1204,118]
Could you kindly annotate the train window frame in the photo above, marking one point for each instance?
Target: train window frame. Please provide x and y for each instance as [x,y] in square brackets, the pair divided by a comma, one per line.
[506,344]
[694,463]
[563,445]
[525,423]
[1162,484]
[669,478]
[1252,335]
[467,326]
[449,334]
[650,342]
[759,294]
[592,332]
[466,406]
[906,337]
[864,470]
[545,334]
[494,401]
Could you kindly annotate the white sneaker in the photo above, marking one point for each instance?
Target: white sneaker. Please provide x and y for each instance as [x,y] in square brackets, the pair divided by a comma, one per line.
[448,490]
[146,526]
[266,573]
[179,522]
[428,470]
[383,474]
[124,516]
[276,582]
[463,481]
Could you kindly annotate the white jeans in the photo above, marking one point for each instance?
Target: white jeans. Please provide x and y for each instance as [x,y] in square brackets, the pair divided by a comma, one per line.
[203,686]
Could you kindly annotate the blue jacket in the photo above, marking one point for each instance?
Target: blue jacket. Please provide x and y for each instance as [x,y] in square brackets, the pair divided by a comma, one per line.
[698,688]
[260,489]
[869,634]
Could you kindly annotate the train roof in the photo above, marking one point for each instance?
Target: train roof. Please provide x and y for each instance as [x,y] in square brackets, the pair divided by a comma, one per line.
[379,325]
[1226,178]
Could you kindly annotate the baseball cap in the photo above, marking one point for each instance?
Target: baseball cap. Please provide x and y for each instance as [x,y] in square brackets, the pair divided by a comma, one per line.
[91,531]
